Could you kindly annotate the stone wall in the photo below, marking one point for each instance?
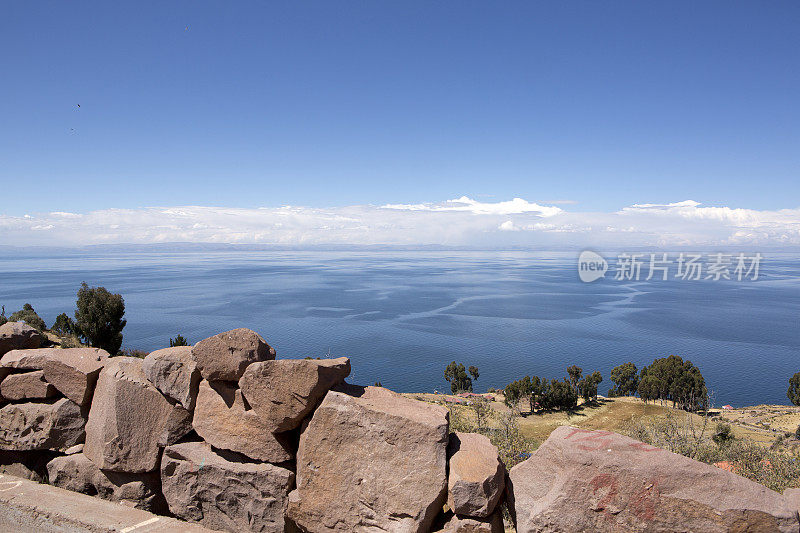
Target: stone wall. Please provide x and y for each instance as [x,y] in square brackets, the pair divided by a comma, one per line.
[225,435]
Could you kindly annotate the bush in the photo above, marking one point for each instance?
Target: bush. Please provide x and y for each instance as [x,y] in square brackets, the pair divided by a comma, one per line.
[775,468]
[29,316]
[723,434]
[63,325]
[178,341]
[98,318]
[132,352]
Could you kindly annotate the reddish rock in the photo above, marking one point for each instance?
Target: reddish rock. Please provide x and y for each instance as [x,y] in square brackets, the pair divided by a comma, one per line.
[285,391]
[460,524]
[74,371]
[27,386]
[224,420]
[19,336]
[582,480]
[41,426]
[174,373]
[371,460]
[225,356]
[202,486]
[477,475]
[78,474]
[130,420]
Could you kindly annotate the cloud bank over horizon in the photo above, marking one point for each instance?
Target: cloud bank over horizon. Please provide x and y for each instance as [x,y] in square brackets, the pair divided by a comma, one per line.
[459,222]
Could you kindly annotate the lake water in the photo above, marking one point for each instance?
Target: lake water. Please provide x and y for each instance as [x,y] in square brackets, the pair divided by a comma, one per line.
[402,316]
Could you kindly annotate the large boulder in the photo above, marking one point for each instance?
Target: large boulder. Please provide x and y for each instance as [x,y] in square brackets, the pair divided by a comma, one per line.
[224,420]
[174,373]
[31,359]
[27,386]
[582,480]
[225,356]
[41,426]
[371,459]
[77,473]
[202,486]
[460,524]
[477,475]
[18,336]
[130,420]
[285,391]
[74,371]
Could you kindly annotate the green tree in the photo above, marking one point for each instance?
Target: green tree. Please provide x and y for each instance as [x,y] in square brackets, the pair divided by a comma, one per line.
[63,325]
[28,315]
[473,371]
[98,318]
[456,375]
[178,341]
[673,379]
[3,318]
[561,395]
[626,380]
[587,387]
[794,389]
[575,373]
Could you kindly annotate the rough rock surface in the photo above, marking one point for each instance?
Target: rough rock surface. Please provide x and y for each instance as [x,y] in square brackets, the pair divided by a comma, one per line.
[225,356]
[130,419]
[285,391]
[27,386]
[202,486]
[477,476]
[41,426]
[582,480]
[27,465]
[31,359]
[18,336]
[174,373]
[361,452]
[74,371]
[223,419]
[77,473]
[459,524]
[792,497]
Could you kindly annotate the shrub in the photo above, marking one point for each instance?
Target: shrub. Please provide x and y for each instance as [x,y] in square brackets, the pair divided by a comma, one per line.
[63,325]
[132,352]
[180,340]
[723,434]
[99,317]
[28,315]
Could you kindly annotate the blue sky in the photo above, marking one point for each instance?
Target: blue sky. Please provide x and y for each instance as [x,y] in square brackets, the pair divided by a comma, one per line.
[335,104]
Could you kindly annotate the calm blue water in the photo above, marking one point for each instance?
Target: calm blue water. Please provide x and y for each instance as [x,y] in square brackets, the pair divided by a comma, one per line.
[402,316]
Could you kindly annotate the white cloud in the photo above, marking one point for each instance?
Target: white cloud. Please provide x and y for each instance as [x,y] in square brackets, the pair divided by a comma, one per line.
[460,222]
[517,205]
